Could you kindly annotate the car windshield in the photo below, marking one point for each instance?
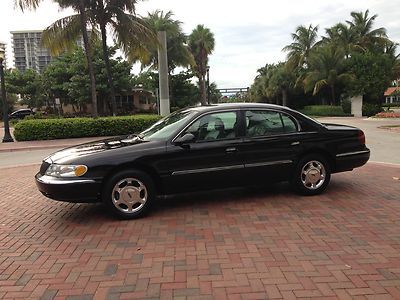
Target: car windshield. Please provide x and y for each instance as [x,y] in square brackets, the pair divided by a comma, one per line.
[167,126]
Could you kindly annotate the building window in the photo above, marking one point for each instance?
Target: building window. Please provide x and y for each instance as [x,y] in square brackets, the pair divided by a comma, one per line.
[143,99]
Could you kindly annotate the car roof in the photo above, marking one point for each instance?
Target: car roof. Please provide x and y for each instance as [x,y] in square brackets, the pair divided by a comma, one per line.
[242,105]
[23,109]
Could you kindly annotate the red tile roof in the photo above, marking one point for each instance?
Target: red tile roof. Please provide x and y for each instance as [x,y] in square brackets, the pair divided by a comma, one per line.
[391,90]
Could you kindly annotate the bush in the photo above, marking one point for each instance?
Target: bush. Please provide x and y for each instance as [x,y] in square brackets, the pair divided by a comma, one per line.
[47,129]
[369,109]
[346,106]
[40,115]
[390,105]
[324,111]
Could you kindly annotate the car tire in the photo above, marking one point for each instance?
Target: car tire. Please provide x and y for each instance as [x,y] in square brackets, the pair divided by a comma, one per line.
[312,175]
[129,194]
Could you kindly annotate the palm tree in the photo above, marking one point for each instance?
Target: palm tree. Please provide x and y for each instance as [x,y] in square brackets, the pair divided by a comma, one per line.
[342,36]
[201,44]
[326,69]
[362,27]
[304,40]
[280,82]
[178,52]
[132,34]
[65,32]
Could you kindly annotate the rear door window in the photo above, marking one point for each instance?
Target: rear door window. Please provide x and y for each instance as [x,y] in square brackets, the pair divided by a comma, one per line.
[266,123]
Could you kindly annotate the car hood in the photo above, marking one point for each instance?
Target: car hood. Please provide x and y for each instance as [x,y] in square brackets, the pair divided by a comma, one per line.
[98,147]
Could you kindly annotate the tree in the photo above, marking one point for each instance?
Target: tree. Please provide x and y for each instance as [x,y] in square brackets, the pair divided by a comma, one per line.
[29,85]
[201,44]
[184,92]
[299,51]
[260,90]
[362,27]
[341,36]
[280,82]
[327,68]
[65,32]
[132,34]
[178,52]
[66,78]
[373,72]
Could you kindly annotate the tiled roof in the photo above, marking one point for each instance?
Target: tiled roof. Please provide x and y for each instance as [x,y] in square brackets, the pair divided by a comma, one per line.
[391,90]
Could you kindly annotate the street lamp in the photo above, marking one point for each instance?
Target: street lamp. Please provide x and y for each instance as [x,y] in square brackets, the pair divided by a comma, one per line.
[7,136]
[208,85]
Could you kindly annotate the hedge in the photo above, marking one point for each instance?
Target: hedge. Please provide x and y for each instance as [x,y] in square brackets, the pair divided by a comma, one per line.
[48,129]
[369,109]
[324,111]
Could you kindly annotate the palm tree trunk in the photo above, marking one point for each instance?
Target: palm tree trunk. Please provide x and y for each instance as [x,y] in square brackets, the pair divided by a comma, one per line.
[202,84]
[171,90]
[284,97]
[333,100]
[108,68]
[88,53]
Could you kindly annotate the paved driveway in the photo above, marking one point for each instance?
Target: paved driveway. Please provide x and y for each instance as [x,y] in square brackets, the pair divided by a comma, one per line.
[242,244]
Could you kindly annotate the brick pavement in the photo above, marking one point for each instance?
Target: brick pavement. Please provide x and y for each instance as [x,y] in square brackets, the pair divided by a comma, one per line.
[242,244]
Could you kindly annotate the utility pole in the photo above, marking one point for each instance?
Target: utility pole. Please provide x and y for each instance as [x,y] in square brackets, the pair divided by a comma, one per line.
[163,73]
[7,136]
[208,86]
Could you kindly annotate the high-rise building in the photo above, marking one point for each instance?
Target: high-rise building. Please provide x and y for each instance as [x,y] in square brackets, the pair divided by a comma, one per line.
[28,50]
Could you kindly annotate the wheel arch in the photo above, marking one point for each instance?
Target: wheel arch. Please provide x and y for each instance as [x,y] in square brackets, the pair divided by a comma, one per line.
[135,166]
[320,151]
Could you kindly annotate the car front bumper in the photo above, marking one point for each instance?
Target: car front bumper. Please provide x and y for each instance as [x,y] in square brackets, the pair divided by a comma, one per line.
[77,190]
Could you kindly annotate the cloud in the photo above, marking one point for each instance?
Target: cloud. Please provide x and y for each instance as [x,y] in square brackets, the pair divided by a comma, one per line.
[248,34]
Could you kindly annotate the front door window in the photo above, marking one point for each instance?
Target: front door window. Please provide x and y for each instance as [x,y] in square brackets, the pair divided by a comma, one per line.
[217,126]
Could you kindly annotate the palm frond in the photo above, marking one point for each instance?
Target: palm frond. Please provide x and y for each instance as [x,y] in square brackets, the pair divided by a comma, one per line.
[134,37]
[319,85]
[27,4]
[62,35]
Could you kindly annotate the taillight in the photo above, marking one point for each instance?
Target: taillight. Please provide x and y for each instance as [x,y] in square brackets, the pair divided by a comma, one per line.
[361,137]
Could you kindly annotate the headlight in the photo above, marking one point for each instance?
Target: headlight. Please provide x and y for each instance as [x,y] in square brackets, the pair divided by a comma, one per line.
[66,170]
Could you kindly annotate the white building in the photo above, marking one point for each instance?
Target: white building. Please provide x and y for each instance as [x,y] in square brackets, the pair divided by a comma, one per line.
[392,94]
[28,50]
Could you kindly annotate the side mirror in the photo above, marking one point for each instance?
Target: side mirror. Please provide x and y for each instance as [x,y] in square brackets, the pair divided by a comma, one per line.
[185,139]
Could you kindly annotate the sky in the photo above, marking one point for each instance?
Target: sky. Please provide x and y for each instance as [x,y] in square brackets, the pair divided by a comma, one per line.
[248,34]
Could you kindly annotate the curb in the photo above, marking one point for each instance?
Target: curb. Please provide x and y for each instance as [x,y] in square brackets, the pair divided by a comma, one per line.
[21,166]
[33,148]
[66,144]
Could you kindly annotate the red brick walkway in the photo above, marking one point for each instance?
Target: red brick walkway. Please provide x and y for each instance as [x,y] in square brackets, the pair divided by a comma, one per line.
[238,245]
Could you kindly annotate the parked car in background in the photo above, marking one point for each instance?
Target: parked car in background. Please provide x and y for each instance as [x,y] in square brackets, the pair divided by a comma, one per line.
[21,113]
[204,148]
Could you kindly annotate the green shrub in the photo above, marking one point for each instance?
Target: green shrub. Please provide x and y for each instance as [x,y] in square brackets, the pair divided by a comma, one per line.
[369,109]
[47,129]
[346,106]
[323,111]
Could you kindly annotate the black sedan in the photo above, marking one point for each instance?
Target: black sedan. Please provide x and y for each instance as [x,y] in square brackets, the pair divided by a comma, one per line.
[203,148]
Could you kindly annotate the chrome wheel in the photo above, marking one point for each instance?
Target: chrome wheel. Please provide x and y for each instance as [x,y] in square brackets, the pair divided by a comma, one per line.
[129,195]
[313,175]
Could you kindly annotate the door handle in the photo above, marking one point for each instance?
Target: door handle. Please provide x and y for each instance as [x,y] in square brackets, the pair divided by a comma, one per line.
[295,144]
[231,150]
